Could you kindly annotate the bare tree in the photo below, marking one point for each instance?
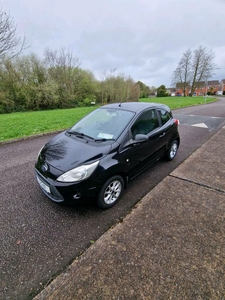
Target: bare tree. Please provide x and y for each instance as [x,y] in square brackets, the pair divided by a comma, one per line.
[11,45]
[61,58]
[182,75]
[194,68]
[203,66]
[61,65]
[118,88]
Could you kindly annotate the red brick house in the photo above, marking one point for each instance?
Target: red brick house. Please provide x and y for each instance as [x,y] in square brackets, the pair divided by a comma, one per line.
[202,87]
[213,87]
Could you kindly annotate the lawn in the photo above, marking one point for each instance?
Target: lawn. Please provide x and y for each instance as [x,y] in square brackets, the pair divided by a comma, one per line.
[179,102]
[20,125]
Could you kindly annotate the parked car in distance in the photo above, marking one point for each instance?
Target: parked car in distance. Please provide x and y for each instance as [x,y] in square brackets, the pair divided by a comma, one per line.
[103,151]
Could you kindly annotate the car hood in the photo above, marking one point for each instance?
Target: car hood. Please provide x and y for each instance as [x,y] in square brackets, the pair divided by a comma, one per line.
[66,152]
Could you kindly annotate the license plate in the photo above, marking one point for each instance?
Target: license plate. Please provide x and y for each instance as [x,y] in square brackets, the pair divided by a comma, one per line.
[43,185]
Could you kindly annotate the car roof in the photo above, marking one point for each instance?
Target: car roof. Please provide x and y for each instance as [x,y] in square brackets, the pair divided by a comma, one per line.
[136,106]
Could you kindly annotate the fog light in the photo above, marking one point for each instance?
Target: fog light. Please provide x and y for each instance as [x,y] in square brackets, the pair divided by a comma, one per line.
[77,196]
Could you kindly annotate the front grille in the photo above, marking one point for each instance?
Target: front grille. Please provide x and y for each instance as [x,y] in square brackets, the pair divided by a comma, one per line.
[54,195]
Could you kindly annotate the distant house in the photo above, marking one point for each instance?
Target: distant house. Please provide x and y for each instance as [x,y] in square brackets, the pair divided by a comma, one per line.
[171,91]
[180,89]
[213,87]
[203,87]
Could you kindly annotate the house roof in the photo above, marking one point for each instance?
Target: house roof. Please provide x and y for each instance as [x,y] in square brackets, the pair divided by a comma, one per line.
[172,89]
[181,84]
[201,83]
[213,82]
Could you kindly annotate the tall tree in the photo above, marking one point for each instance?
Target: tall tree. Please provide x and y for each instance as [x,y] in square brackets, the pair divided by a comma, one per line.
[194,68]
[11,44]
[61,64]
[182,75]
[203,66]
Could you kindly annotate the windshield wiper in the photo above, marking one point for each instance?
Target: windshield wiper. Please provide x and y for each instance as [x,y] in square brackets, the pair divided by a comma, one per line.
[103,140]
[80,134]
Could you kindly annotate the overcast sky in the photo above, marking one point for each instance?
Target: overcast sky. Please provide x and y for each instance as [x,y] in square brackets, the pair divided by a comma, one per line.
[143,39]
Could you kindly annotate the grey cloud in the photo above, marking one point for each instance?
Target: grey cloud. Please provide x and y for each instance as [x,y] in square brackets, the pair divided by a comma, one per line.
[141,38]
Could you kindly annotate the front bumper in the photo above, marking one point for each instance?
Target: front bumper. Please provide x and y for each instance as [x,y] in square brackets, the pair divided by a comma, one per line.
[66,192]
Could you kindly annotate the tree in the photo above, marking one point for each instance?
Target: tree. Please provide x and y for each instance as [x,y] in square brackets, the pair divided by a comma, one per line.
[182,75]
[144,90]
[61,58]
[134,94]
[118,88]
[61,65]
[194,68]
[84,87]
[161,91]
[203,66]
[11,45]
[25,87]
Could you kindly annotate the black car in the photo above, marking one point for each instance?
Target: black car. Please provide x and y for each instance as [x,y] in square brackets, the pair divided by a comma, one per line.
[104,150]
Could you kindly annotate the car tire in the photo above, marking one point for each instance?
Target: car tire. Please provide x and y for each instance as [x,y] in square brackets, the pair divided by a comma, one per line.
[172,152]
[111,192]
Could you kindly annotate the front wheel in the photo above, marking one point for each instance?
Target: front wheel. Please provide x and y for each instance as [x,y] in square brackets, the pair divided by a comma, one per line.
[172,152]
[111,192]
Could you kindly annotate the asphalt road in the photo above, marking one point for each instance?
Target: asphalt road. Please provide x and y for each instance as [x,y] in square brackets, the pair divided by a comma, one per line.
[40,238]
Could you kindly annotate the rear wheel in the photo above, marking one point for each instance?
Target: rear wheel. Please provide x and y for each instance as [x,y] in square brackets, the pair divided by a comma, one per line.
[111,192]
[172,152]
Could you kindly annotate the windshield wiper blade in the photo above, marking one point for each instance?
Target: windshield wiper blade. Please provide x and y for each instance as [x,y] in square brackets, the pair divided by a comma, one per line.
[80,134]
[75,133]
[103,140]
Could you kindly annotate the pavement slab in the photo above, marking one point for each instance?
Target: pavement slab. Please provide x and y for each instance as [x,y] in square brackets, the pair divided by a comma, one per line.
[207,164]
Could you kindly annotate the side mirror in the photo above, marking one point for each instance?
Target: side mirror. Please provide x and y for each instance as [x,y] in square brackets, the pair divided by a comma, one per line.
[140,138]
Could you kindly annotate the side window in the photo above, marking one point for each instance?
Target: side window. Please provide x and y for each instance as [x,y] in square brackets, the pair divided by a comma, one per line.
[165,116]
[147,122]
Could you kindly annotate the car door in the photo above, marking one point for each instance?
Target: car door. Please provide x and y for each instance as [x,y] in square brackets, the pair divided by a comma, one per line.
[137,154]
[167,124]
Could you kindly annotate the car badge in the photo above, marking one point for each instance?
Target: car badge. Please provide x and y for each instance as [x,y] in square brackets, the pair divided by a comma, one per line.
[44,168]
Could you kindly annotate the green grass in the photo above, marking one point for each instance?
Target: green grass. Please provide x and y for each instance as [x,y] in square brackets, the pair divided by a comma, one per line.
[179,102]
[20,125]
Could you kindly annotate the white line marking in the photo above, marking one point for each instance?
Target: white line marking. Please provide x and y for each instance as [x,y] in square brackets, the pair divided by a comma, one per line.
[202,125]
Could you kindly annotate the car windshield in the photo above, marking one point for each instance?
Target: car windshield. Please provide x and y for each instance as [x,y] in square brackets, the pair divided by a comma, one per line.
[103,124]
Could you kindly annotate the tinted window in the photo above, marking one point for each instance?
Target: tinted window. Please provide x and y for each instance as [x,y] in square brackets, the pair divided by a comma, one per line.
[147,122]
[164,115]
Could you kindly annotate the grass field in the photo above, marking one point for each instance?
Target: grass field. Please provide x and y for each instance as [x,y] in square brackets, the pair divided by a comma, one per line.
[20,125]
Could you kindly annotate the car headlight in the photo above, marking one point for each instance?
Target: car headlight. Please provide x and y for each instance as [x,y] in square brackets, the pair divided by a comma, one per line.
[79,173]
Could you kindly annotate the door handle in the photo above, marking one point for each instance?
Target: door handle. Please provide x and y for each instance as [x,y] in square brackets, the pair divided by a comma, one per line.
[162,135]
